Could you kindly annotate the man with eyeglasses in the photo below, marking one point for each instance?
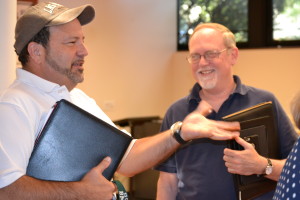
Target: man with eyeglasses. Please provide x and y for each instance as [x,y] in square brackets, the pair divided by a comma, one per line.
[202,168]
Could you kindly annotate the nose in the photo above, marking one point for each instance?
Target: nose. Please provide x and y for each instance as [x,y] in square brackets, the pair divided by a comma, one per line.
[202,61]
[82,50]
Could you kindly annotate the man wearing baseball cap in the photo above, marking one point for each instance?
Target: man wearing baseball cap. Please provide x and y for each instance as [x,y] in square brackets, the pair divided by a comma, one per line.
[49,42]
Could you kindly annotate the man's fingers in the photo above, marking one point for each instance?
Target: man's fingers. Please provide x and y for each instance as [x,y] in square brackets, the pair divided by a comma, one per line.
[229,126]
[204,108]
[220,134]
[243,143]
[103,164]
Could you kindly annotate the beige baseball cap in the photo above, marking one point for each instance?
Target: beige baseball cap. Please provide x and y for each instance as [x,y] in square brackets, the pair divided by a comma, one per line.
[45,14]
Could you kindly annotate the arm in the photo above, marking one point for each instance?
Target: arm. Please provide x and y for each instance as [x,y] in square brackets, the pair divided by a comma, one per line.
[92,186]
[248,161]
[149,151]
[166,186]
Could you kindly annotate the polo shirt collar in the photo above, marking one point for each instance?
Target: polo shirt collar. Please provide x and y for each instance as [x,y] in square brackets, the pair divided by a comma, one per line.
[37,82]
[240,89]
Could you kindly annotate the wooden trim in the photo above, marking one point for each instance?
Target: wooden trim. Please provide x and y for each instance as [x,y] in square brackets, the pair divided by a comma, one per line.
[33,1]
[22,5]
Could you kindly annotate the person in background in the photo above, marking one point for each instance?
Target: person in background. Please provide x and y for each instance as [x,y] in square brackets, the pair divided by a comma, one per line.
[289,181]
[203,168]
[49,42]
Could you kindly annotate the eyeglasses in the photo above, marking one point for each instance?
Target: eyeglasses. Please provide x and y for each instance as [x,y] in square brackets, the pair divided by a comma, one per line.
[209,56]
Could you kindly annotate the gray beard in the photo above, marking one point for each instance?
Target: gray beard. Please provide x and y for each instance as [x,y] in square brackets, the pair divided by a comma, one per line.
[73,76]
[207,84]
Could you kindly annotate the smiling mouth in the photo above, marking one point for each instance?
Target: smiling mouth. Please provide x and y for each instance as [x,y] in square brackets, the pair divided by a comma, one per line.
[204,72]
[78,66]
[78,63]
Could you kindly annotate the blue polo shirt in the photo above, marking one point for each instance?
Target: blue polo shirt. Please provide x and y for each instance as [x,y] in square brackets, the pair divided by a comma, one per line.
[199,166]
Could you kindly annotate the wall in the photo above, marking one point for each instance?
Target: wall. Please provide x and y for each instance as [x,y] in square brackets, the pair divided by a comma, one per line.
[133,68]
[276,70]
[130,47]
[7,54]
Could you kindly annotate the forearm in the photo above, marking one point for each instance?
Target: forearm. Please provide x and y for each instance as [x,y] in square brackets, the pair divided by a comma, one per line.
[167,186]
[164,193]
[33,189]
[91,187]
[147,152]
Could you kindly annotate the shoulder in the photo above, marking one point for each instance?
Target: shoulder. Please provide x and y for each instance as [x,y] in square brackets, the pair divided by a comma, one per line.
[253,92]
[82,100]
[260,92]
[22,97]
[78,93]
[79,97]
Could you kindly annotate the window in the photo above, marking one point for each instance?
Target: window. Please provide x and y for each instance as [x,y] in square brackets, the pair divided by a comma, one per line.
[286,20]
[255,23]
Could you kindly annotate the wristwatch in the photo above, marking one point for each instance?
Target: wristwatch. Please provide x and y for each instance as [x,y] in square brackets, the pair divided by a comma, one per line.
[176,129]
[269,167]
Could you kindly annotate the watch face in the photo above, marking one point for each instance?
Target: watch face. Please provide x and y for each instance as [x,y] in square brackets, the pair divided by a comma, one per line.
[269,170]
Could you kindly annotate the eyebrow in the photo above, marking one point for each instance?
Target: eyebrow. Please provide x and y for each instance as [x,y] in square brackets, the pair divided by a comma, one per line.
[208,51]
[74,38]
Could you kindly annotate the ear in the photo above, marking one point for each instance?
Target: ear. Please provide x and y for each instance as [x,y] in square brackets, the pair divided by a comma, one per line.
[234,55]
[35,51]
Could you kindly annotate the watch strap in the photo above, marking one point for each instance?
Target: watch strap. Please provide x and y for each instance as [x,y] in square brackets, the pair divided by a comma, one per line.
[269,167]
[176,129]
[269,162]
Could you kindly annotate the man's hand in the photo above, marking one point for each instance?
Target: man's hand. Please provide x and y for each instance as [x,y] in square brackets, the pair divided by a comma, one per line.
[196,125]
[96,185]
[93,186]
[244,162]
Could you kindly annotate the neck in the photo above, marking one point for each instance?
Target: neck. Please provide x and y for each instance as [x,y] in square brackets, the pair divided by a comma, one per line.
[70,87]
[216,97]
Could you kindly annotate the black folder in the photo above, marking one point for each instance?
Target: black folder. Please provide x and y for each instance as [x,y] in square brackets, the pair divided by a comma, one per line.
[259,128]
[72,142]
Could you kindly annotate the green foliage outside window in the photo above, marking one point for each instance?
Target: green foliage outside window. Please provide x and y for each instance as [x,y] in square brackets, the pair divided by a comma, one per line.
[231,13]
[286,20]
[279,20]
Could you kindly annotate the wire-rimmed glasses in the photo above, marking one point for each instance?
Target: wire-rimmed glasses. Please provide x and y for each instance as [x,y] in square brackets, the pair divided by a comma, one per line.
[208,56]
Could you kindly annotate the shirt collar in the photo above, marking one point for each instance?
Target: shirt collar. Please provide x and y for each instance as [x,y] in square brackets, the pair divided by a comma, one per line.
[240,89]
[37,82]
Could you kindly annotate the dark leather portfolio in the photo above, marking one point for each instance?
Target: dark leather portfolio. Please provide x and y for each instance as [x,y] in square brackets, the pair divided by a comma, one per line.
[259,128]
[72,142]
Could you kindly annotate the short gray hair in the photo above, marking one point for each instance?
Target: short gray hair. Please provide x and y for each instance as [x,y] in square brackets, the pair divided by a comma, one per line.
[228,36]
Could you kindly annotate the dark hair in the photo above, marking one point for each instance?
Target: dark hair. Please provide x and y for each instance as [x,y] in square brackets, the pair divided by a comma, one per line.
[41,37]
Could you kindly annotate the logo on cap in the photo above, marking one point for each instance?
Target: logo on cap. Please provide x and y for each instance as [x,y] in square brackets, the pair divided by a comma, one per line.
[50,7]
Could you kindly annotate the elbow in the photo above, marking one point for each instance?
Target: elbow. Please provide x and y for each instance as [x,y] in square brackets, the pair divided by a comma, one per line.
[127,173]
[128,170]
